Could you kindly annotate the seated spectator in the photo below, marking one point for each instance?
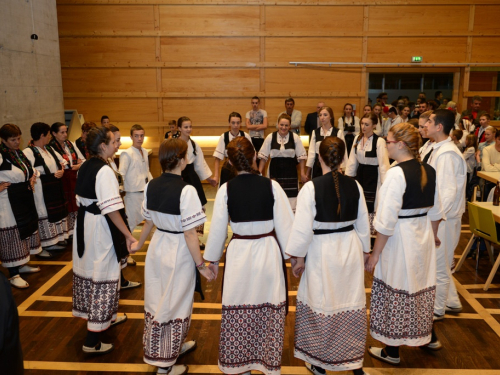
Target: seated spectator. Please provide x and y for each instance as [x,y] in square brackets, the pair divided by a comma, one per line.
[491,156]
[489,136]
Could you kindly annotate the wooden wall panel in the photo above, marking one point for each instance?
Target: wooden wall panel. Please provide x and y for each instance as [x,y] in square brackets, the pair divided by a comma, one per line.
[109,80]
[210,80]
[309,79]
[313,49]
[418,19]
[441,50]
[486,19]
[222,49]
[79,51]
[122,109]
[75,19]
[314,20]
[206,19]
[485,49]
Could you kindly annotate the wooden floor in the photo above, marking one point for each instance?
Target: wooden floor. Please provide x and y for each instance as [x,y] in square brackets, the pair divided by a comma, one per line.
[52,339]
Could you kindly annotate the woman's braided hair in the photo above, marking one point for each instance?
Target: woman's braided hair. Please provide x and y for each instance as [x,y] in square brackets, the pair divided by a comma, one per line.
[171,152]
[332,150]
[240,152]
[409,135]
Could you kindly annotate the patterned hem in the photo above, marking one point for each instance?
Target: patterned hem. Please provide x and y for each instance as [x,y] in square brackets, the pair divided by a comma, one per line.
[400,315]
[331,340]
[14,251]
[162,341]
[97,301]
[252,335]
[50,233]
[70,223]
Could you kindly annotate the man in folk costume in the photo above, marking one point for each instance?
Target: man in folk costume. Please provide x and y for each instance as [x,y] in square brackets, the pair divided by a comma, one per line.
[451,175]
[134,167]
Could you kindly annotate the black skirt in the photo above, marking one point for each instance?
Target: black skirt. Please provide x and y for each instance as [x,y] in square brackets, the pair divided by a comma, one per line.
[190,176]
[284,171]
[367,176]
[53,196]
[22,203]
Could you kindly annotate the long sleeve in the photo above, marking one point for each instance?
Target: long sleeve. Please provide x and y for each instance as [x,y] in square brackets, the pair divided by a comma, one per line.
[302,230]
[300,151]
[362,223]
[390,201]
[487,163]
[311,154]
[283,216]
[218,227]
[447,180]
[124,163]
[265,150]
[436,212]
[352,163]
[296,119]
[78,152]
[383,159]
[200,165]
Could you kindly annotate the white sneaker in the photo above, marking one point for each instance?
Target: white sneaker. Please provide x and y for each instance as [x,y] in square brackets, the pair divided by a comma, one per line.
[436,345]
[28,269]
[187,347]
[174,370]
[378,353]
[18,282]
[103,348]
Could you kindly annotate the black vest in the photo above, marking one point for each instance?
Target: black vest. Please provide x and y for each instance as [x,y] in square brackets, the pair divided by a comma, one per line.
[373,152]
[164,194]
[250,198]
[86,179]
[226,137]
[276,146]
[414,197]
[327,202]
[40,161]
[319,137]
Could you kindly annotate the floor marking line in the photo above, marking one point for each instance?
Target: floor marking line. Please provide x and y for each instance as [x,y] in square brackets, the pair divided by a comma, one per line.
[485,295]
[50,262]
[68,314]
[44,288]
[480,286]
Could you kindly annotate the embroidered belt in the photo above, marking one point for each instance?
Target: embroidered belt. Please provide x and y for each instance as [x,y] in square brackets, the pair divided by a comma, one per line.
[328,231]
[253,236]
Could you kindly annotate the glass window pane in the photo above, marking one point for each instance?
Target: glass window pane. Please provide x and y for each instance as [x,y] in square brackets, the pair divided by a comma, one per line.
[410,81]
[375,81]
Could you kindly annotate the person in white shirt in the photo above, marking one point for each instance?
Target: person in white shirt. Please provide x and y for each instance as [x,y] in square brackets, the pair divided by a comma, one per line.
[470,154]
[293,113]
[427,142]
[327,129]
[285,150]
[134,167]
[491,156]
[392,119]
[220,154]
[451,176]
[256,122]
[349,124]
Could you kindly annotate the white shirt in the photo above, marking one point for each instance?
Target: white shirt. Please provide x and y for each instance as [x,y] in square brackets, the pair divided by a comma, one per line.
[424,150]
[256,118]
[200,165]
[134,167]
[340,124]
[491,159]
[390,123]
[299,152]
[470,159]
[451,176]
[314,146]
[47,157]
[220,150]
[296,119]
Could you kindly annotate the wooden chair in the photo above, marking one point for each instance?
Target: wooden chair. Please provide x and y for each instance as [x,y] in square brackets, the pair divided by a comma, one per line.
[482,225]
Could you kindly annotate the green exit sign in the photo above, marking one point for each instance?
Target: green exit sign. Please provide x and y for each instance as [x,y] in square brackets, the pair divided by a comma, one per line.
[416,59]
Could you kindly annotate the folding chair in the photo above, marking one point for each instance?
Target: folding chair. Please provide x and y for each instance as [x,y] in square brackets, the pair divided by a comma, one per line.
[482,225]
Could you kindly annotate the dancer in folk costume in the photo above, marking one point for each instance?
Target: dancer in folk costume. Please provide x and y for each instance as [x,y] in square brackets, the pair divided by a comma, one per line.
[134,167]
[124,283]
[254,298]
[285,150]
[227,171]
[174,207]
[102,240]
[451,175]
[330,227]
[327,129]
[49,193]
[80,142]
[368,162]
[74,159]
[174,130]
[196,169]
[18,217]
[404,254]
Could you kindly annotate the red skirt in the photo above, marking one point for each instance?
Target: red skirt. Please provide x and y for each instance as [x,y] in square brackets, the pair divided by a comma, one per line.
[69,185]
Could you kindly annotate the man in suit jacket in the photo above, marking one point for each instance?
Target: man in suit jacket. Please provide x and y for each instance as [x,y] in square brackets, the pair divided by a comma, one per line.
[312,120]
